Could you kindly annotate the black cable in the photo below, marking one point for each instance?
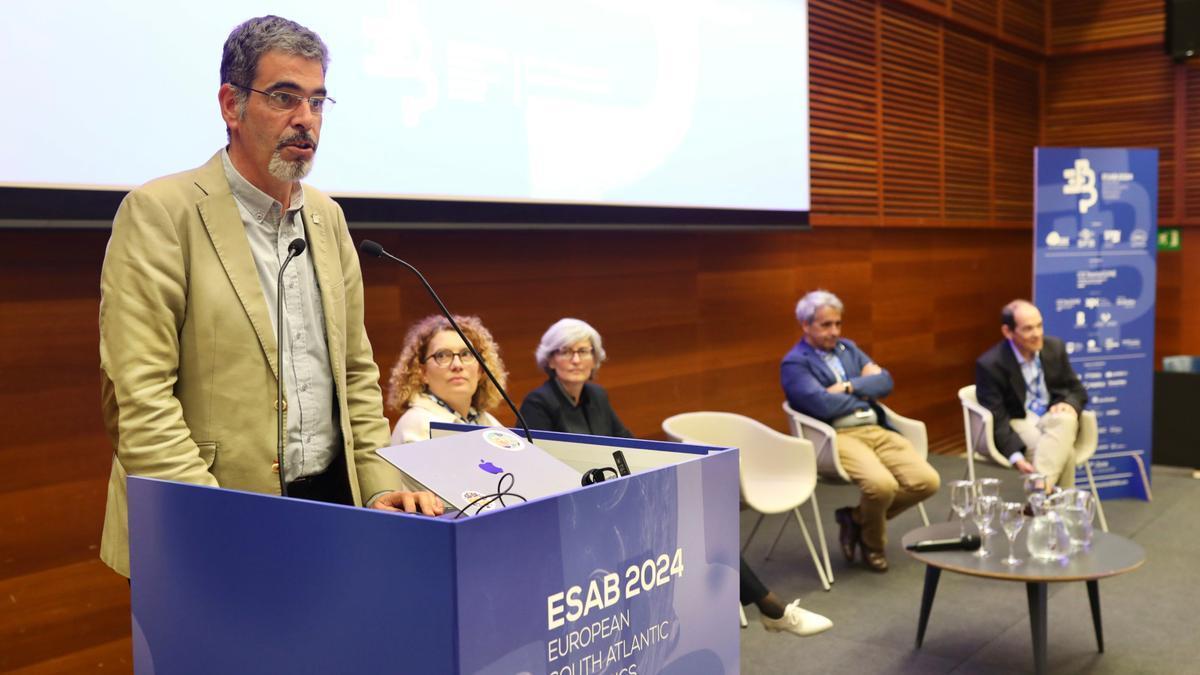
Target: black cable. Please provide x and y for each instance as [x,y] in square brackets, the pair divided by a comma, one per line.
[499,495]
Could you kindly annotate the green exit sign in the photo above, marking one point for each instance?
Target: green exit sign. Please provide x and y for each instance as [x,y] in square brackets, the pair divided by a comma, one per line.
[1169,239]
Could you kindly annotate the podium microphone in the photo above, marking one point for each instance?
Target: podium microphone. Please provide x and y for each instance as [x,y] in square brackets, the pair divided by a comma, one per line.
[294,249]
[374,249]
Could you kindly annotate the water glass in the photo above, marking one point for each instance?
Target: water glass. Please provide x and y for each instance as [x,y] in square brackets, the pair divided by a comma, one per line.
[982,514]
[1012,519]
[1035,492]
[988,487]
[962,499]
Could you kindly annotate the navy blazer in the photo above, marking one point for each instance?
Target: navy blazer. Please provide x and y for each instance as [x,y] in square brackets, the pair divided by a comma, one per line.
[805,376]
[548,408]
[1000,387]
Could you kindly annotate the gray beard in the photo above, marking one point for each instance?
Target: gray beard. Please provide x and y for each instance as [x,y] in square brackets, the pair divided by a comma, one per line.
[288,171]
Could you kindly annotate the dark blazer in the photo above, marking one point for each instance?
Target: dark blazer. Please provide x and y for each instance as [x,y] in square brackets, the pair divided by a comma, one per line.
[548,408]
[1000,388]
[805,376]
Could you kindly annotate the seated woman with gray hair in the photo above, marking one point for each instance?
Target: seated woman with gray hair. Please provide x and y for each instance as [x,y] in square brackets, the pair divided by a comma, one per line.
[437,379]
[571,352]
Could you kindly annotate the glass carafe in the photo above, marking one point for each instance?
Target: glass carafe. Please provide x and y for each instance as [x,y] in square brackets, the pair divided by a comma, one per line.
[1048,539]
[1078,509]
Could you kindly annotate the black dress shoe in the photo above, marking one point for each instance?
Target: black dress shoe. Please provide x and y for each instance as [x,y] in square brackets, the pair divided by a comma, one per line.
[849,532]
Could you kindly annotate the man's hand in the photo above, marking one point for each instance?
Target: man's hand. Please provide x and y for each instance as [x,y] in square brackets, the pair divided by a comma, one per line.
[837,388]
[1024,466]
[410,502]
[1063,408]
[872,369]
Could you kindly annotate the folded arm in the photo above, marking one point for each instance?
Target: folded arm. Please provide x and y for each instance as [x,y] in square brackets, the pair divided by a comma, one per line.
[807,395]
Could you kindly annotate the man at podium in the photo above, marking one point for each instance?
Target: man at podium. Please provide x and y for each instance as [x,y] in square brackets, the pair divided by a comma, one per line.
[188,313]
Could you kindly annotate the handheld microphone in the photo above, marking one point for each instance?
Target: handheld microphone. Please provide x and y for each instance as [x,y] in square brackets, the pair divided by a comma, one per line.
[294,249]
[967,543]
[374,249]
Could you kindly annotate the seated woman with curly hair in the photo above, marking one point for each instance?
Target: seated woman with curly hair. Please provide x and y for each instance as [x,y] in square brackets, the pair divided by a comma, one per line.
[436,379]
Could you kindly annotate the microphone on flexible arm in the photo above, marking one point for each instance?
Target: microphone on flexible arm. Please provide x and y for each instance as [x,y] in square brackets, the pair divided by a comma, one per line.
[294,249]
[374,249]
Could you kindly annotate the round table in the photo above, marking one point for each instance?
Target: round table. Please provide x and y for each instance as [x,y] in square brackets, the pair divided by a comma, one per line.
[1109,555]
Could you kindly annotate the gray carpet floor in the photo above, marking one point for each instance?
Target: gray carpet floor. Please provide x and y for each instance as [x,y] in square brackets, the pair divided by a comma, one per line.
[1150,616]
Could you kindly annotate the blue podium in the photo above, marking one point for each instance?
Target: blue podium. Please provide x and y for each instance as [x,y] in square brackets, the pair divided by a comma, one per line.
[636,575]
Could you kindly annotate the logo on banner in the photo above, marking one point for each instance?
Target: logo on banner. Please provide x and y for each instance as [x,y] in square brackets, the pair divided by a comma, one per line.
[1081,180]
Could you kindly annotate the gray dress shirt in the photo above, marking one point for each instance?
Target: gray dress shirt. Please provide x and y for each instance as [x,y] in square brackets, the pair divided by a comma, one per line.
[313,433]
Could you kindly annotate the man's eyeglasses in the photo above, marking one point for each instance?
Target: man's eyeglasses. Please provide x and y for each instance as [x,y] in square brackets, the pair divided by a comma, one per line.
[282,100]
[582,353]
[444,357]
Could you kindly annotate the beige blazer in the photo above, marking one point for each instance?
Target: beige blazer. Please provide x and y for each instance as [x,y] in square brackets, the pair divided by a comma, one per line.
[187,347]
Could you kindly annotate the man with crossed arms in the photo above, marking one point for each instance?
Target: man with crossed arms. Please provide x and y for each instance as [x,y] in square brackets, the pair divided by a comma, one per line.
[828,377]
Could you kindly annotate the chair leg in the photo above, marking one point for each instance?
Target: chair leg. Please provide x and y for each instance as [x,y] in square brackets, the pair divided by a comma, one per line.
[742,612]
[1087,468]
[1145,479]
[812,551]
[924,515]
[821,538]
[753,531]
[782,527]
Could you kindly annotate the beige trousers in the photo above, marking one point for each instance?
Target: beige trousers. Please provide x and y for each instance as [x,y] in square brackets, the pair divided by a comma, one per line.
[1050,445]
[890,474]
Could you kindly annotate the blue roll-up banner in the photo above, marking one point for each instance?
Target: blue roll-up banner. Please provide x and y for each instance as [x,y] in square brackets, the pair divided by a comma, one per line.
[1094,282]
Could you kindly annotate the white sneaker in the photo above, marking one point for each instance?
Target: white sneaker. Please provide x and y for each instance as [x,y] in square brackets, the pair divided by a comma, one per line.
[797,620]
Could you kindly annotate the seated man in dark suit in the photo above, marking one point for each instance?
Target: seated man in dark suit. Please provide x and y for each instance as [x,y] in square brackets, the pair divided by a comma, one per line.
[1034,395]
[828,377]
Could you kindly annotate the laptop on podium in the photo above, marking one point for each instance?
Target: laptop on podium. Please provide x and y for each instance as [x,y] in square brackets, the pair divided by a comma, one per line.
[462,468]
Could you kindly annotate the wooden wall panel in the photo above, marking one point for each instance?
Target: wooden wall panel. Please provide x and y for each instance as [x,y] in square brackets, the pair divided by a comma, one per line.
[1025,19]
[1190,133]
[1082,23]
[907,104]
[912,94]
[844,115]
[983,12]
[1116,99]
[1015,111]
[967,133]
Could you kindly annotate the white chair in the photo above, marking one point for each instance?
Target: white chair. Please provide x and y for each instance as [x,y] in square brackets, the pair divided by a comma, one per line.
[777,472]
[979,428]
[824,439]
